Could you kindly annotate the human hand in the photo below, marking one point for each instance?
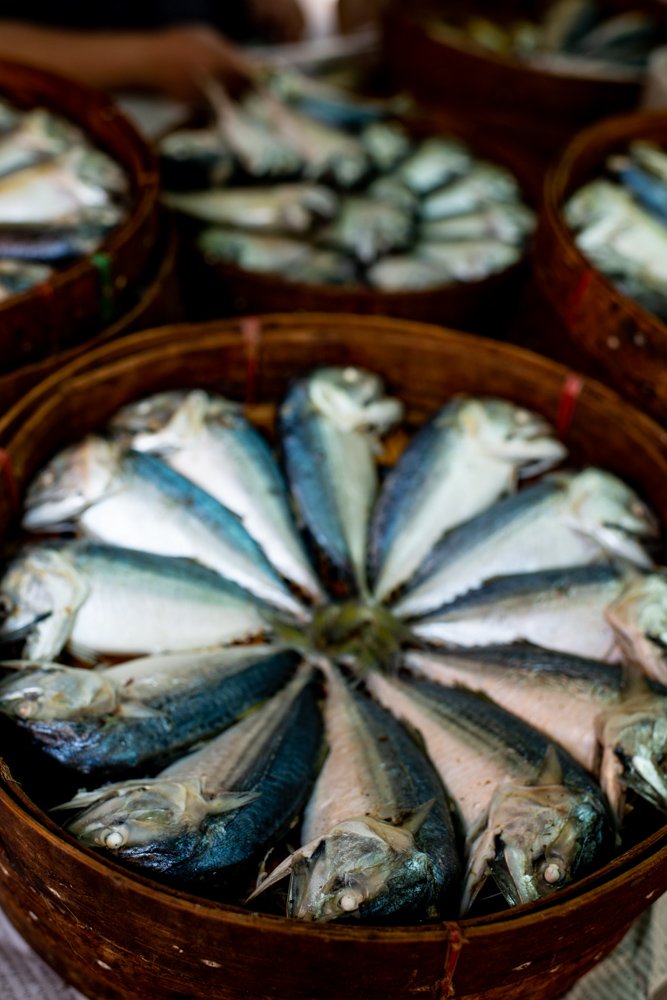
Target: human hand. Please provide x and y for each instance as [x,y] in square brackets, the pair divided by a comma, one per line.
[176,60]
[278,20]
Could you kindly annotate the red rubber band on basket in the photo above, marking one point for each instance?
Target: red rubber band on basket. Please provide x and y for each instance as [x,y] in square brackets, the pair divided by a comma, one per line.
[251,333]
[572,387]
[455,942]
[578,295]
[7,474]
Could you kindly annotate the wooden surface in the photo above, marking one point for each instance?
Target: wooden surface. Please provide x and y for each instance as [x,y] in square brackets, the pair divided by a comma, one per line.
[54,315]
[625,342]
[116,935]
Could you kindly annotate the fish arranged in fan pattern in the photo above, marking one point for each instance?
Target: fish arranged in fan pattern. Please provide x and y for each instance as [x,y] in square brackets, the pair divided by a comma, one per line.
[387,686]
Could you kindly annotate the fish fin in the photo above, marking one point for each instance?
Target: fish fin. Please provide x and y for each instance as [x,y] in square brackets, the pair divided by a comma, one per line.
[416,819]
[610,777]
[229,801]
[480,855]
[85,798]
[287,867]
[551,771]
[135,710]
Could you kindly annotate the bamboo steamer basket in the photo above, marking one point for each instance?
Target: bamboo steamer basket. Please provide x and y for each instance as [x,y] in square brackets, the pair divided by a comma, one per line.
[159,301]
[222,289]
[85,296]
[622,340]
[532,106]
[118,936]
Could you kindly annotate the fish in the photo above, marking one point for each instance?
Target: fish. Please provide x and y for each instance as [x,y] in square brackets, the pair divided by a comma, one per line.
[391,189]
[151,507]
[50,245]
[218,807]
[565,22]
[469,455]
[387,144]
[649,191]
[195,158]
[405,272]
[562,609]
[103,599]
[651,158]
[377,838]
[367,228]
[19,276]
[208,440]
[142,713]
[324,267]
[617,234]
[484,183]
[627,38]
[327,103]
[533,819]
[435,161]
[329,424]
[638,617]
[564,520]
[260,150]
[470,260]
[611,722]
[288,208]
[507,222]
[326,152]
[262,252]
[60,191]
[34,137]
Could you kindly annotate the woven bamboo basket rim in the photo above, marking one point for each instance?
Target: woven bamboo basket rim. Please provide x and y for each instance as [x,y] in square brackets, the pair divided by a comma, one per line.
[139,350]
[142,170]
[560,183]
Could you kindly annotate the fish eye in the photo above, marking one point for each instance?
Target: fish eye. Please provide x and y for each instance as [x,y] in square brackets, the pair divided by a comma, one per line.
[349,900]
[113,838]
[552,874]
[28,708]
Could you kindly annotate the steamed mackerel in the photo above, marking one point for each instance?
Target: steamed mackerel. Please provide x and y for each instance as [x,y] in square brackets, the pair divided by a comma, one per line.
[151,507]
[208,440]
[330,424]
[220,806]
[533,819]
[461,462]
[102,599]
[561,609]
[613,724]
[144,712]
[639,620]
[377,835]
[565,520]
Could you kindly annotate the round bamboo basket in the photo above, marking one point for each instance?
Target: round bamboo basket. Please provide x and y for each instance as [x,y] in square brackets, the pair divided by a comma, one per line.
[118,936]
[158,301]
[532,106]
[221,289]
[626,343]
[84,296]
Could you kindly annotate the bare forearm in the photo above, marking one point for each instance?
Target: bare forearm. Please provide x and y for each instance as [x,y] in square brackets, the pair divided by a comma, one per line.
[102,59]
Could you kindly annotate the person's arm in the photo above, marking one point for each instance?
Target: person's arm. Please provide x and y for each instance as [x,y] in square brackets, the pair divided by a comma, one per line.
[173,60]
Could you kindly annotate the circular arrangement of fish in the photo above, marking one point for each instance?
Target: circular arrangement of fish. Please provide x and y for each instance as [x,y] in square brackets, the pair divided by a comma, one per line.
[60,197]
[582,37]
[400,684]
[349,200]
[620,223]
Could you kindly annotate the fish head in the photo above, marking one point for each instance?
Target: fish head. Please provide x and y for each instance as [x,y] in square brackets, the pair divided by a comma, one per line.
[362,867]
[164,422]
[633,736]
[54,692]
[511,434]
[131,817]
[537,838]
[353,399]
[99,170]
[71,482]
[606,509]
[638,617]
